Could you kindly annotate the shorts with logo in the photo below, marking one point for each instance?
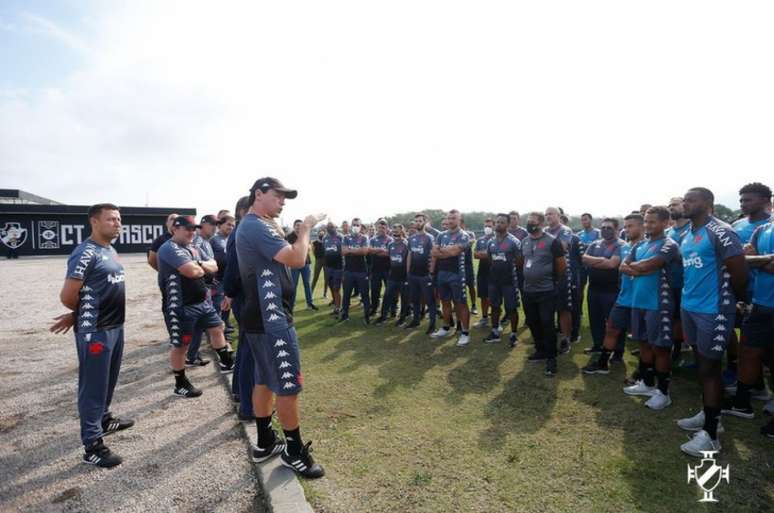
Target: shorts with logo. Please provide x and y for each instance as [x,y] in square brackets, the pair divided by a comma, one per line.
[184,321]
[620,318]
[758,327]
[710,332]
[566,293]
[508,294]
[277,360]
[451,286]
[333,277]
[652,326]
[482,285]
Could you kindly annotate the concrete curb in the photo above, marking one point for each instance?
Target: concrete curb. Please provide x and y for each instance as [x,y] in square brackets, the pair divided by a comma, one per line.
[282,490]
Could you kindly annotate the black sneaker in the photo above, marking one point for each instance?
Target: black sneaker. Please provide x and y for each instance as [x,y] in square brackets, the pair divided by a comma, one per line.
[187,390]
[592,349]
[111,424]
[576,339]
[226,366]
[551,367]
[400,322]
[260,455]
[312,306]
[729,408]
[303,464]
[380,320]
[594,367]
[514,340]
[616,358]
[768,430]
[537,356]
[343,318]
[430,329]
[366,320]
[98,454]
[564,347]
[196,362]
[411,325]
[492,338]
[634,352]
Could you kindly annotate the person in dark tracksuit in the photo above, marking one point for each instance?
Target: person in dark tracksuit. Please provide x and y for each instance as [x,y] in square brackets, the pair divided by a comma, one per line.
[586,237]
[380,264]
[243,378]
[201,242]
[419,274]
[544,264]
[504,255]
[601,262]
[355,248]
[397,286]
[334,263]
[567,287]
[219,242]
[94,291]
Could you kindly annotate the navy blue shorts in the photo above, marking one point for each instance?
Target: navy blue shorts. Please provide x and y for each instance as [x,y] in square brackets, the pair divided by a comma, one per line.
[277,361]
[333,278]
[482,285]
[758,327]
[499,294]
[652,326]
[182,322]
[709,332]
[621,318]
[451,286]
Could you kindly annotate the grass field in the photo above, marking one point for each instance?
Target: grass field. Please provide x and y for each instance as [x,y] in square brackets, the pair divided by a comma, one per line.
[403,423]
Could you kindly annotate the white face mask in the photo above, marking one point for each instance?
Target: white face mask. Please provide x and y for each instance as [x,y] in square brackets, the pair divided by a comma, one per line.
[487,230]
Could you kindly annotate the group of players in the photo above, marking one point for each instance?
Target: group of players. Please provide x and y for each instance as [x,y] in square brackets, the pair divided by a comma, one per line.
[673,274]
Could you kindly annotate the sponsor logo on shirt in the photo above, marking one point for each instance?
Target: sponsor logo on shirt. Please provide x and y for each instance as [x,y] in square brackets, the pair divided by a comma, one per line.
[694,260]
[116,278]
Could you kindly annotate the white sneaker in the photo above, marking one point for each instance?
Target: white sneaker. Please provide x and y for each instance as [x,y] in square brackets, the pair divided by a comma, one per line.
[700,443]
[500,329]
[639,388]
[482,323]
[696,423]
[463,340]
[440,333]
[658,401]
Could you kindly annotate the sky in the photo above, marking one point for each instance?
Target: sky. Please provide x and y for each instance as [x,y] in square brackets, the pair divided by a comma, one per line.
[374,108]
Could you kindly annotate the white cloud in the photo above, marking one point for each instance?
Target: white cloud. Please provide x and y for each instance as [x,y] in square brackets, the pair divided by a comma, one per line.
[375,108]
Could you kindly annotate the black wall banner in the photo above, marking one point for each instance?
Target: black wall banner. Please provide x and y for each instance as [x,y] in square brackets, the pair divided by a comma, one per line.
[58,229]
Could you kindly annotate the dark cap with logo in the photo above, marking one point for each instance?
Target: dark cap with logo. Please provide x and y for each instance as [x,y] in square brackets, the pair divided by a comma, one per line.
[185,222]
[209,219]
[267,183]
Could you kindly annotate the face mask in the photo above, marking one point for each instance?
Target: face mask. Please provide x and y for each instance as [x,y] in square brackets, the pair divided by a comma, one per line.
[608,233]
[487,230]
[532,228]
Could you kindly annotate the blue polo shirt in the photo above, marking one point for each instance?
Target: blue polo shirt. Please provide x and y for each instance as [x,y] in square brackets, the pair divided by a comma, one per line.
[627,288]
[706,282]
[586,237]
[420,244]
[653,291]
[762,240]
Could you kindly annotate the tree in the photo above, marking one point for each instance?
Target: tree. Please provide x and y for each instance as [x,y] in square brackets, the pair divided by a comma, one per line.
[726,214]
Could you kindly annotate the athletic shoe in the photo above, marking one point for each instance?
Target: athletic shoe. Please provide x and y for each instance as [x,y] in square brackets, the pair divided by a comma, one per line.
[616,358]
[564,346]
[196,362]
[442,332]
[463,340]
[594,367]
[430,330]
[380,320]
[760,394]
[551,367]
[658,401]
[639,388]
[303,464]
[226,367]
[482,323]
[366,320]
[260,455]
[592,349]
[312,306]
[402,321]
[699,444]
[187,390]
[576,339]
[634,352]
[768,430]
[474,311]
[343,318]
[729,408]
[111,424]
[98,454]
[696,423]
[492,338]
[633,379]
[499,329]
[334,312]
[411,325]
[536,357]
[514,340]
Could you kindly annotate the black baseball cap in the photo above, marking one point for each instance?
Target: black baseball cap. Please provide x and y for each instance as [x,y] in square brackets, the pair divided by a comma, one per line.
[209,219]
[185,222]
[267,183]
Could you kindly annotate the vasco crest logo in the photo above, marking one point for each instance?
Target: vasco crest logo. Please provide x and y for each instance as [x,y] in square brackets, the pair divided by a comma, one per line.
[13,235]
[708,475]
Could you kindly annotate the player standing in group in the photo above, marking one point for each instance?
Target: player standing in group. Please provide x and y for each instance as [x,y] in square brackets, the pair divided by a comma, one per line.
[504,255]
[482,274]
[397,287]
[355,249]
[567,287]
[420,280]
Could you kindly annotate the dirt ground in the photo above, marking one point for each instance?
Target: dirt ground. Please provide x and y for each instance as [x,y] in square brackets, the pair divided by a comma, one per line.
[182,455]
